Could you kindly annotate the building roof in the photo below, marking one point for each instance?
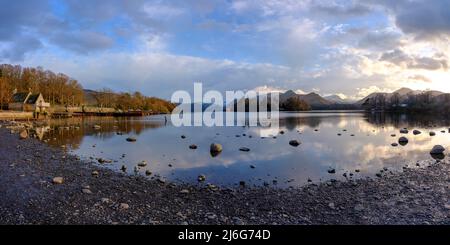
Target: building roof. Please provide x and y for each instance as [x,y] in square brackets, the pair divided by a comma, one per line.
[32,98]
[20,97]
[27,98]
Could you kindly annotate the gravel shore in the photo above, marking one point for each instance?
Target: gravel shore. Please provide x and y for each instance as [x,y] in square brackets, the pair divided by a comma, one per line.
[91,194]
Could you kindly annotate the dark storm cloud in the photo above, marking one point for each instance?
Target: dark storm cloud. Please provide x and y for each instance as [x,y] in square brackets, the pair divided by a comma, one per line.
[423,18]
[400,58]
[18,48]
[16,19]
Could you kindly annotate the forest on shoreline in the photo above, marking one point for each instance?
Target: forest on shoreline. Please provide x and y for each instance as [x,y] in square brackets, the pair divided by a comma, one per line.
[60,89]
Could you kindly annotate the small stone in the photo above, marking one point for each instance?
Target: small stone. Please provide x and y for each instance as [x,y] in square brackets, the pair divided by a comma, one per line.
[131,139]
[201,178]
[142,164]
[215,149]
[359,207]
[58,180]
[294,143]
[331,205]
[95,173]
[124,206]
[403,141]
[378,175]
[105,200]
[252,167]
[211,216]
[23,134]
[123,168]
[102,160]
[404,131]
[183,136]
[193,147]
[238,221]
[86,191]
[416,132]
[331,171]
[394,144]
[437,149]
[185,191]
[245,149]
[432,133]
[148,172]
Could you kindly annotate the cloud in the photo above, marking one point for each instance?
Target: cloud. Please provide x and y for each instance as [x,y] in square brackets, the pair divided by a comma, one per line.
[160,46]
[420,78]
[82,41]
[400,58]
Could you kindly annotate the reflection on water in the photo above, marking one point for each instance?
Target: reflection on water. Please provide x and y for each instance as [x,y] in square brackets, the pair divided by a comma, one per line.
[355,145]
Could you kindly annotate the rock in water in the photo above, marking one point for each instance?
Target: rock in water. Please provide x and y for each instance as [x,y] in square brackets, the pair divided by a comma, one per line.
[23,134]
[404,131]
[416,132]
[58,180]
[294,143]
[331,171]
[131,139]
[201,178]
[142,164]
[403,141]
[244,149]
[215,149]
[437,149]
[394,144]
[432,133]
[192,147]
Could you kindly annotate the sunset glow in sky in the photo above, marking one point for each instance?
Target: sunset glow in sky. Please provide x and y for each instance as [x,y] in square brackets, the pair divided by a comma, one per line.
[346,47]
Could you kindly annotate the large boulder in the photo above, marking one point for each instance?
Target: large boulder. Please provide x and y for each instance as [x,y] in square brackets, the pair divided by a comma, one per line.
[437,149]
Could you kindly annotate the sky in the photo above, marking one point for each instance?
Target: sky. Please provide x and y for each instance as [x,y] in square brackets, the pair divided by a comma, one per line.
[346,47]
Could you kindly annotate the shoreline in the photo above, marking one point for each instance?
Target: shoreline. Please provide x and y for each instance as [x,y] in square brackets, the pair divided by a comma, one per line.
[416,196]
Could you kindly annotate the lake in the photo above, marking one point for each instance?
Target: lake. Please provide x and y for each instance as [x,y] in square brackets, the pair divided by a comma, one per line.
[353,144]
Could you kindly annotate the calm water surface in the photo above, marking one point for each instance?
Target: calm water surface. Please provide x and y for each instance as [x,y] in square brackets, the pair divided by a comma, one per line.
[362,150]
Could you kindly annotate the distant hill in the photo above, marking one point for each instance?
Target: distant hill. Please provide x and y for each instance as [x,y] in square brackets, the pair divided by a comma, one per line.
[407,99]
[90,97]
[338,99]
[312,99]
[403,93]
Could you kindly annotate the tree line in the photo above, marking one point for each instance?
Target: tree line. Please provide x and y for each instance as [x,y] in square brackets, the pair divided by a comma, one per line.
[57,88]
[422,102]
[131,101]
[60,89]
